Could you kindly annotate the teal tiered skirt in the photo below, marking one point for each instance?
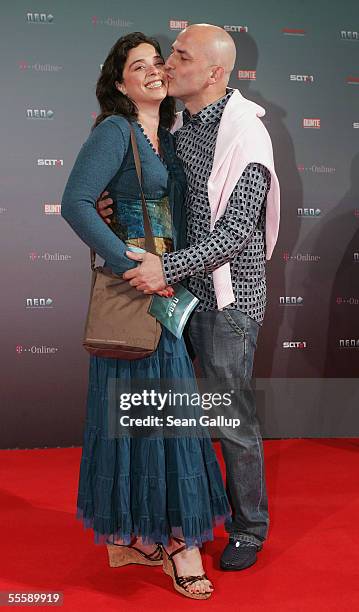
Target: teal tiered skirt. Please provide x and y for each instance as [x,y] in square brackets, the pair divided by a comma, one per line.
[154,486]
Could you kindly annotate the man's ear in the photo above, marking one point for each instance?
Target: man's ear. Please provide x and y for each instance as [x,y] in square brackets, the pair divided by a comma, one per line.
[120,87]
[217,73]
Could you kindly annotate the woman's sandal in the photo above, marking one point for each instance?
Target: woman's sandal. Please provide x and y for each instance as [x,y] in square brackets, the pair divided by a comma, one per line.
[181,583]
[120,555]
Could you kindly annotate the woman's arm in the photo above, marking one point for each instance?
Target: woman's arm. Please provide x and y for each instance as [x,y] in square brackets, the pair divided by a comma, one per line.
[97,163]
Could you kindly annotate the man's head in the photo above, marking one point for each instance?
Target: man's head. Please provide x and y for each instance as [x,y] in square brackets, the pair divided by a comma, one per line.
[199,67]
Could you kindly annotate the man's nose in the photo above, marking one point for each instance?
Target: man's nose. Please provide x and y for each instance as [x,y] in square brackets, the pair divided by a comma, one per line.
[169,63]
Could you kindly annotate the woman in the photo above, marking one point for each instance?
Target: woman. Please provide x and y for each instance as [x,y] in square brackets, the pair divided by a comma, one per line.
[136,493]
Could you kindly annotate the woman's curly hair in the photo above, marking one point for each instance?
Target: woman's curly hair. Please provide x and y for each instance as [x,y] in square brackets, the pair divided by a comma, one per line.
[112,101]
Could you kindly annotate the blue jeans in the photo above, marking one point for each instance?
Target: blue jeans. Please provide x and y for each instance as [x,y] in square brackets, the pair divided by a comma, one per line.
[225,342]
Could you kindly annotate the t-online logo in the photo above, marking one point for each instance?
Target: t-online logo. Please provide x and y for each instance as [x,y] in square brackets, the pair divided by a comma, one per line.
[36,350]
[23,65]
[33,256]
[300,257]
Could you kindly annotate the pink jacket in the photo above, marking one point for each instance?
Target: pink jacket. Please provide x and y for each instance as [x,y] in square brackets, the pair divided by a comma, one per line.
[242,139]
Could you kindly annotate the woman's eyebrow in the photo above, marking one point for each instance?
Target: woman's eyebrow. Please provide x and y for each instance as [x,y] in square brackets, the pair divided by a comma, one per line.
[143,60]
[135,62]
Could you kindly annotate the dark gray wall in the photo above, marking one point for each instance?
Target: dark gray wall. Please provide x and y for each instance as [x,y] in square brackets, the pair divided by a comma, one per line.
[51,54]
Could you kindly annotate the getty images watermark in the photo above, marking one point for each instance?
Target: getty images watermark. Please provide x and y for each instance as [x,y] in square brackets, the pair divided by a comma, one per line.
[171,399]
[180,408]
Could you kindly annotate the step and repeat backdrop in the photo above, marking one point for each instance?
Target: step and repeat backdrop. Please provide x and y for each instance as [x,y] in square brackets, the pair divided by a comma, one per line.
[300,61]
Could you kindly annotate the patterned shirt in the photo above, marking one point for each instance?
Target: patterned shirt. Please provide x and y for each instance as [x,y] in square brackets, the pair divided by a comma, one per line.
[238,236]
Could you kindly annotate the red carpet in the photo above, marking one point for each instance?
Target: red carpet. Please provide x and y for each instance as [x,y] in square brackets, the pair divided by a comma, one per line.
[310,562]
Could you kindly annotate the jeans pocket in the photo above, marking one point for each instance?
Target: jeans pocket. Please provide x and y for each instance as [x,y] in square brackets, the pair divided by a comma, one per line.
[236,326]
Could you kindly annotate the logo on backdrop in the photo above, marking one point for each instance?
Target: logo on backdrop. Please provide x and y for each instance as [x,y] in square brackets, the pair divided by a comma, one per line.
[247,75]
[302,78]
[356,125]
[293,32]
[352,80]
[39,303]
[39,18]
[287,300]
[114,22]
[52,208]
[2,210]
[235,28]
[300,257]
[309,213]
[178,24]
[349,343]
[311,123]
[316,169]
[57,163]
[39,67]
[36,350]
[39,113]
[298,344]
[49,257]
[356,257]
[351,301]
[349,35]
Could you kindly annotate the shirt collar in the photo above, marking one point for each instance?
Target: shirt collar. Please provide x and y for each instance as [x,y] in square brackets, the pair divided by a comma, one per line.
[209,114]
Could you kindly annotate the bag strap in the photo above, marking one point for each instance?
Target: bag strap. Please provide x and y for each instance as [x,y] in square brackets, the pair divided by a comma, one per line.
[149,239]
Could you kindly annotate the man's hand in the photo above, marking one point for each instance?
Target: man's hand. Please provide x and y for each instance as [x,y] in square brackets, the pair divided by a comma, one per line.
[148,276]
[103,207]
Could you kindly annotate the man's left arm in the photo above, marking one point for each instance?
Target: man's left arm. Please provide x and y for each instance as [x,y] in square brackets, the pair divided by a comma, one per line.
[230,235]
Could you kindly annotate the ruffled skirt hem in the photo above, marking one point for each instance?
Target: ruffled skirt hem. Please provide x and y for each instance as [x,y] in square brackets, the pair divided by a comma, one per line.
[194,530]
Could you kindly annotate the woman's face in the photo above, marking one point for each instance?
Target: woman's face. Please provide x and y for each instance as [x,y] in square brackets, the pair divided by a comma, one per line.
[144,77]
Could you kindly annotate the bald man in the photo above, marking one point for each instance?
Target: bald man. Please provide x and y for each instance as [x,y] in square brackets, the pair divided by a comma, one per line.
[224,340]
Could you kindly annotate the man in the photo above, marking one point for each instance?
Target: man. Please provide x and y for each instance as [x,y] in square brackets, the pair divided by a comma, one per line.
[232,209]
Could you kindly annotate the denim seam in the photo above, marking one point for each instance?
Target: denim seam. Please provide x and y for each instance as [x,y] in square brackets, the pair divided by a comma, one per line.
[244,335]
[261,464]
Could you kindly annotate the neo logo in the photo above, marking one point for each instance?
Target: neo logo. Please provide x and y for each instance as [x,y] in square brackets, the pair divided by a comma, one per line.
[172,306]
[286,299]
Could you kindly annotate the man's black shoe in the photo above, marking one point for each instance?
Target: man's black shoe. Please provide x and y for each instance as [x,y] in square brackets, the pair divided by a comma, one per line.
[239,555]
